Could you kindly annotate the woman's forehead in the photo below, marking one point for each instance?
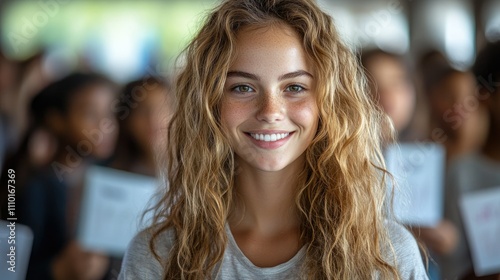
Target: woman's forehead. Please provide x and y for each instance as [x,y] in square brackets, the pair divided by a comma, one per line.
[270,47]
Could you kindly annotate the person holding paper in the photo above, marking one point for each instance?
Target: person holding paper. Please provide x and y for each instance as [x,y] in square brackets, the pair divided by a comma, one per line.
[274,162]
[393,89]
[143,111]
[477,171]
[77,111]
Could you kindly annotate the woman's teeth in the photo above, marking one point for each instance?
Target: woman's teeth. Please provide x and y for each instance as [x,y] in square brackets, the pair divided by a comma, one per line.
[269,137]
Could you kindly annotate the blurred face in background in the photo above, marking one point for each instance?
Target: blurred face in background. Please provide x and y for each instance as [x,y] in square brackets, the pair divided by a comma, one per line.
[452,90]
[42,147]
[452,102]
[147,122]
[89,119]
[392,86]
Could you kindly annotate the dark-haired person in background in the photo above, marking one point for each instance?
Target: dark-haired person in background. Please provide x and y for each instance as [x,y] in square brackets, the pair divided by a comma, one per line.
[456,119]
[143,113]
[480,170]
[395,92]
[77,112]
[392,88]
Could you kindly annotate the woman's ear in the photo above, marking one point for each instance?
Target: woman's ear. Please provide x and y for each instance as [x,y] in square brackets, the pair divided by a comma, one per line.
[55,122]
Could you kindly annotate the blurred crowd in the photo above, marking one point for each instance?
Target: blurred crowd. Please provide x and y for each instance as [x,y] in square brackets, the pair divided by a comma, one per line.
[53,129]
[430,101]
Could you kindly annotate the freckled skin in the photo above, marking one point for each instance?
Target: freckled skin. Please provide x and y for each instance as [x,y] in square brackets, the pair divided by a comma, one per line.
[270,102]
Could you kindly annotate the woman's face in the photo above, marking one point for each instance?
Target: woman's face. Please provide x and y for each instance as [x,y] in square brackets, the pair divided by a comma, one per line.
[269,106]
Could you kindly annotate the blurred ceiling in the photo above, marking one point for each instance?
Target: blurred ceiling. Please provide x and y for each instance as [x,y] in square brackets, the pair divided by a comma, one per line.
[130,35]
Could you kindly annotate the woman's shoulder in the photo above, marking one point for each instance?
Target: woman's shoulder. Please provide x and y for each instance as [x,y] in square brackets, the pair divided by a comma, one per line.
[406,252]
[402,240]
[139,261]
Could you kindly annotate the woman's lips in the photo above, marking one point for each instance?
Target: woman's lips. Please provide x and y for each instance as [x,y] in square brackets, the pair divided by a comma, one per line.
[269,139]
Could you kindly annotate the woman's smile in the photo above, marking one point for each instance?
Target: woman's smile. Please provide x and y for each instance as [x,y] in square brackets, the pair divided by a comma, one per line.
[269,139]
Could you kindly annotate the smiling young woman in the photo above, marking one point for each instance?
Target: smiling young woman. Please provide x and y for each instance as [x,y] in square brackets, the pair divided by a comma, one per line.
[274,164]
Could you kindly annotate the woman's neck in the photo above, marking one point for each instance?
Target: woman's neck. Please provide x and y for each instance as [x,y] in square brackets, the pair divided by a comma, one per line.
[265,201]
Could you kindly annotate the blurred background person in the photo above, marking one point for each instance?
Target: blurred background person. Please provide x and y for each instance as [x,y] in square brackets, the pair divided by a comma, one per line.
[77,112]
[478,170]
[392,87]
[143,114]
[36,150]
[457,121]
[19,82]
[8,72]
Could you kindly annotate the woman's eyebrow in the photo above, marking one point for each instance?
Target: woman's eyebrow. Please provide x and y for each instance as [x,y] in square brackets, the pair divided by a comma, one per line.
[243,75]
[295,74]
[290,75]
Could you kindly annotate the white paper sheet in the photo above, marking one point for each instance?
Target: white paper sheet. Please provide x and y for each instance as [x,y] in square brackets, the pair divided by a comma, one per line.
[418,169]
[112,206]
[22,251]
[481,218]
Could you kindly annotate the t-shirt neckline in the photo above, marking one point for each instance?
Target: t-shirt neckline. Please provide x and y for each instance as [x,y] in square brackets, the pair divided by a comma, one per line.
[293,262]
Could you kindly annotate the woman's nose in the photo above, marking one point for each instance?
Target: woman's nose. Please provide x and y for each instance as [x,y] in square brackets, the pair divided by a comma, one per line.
[271,108]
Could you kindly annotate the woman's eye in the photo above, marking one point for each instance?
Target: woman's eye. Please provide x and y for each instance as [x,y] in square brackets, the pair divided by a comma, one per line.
[295,88]
[242,88]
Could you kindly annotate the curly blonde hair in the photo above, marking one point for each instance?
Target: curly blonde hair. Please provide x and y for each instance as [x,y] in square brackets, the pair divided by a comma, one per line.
[341,197]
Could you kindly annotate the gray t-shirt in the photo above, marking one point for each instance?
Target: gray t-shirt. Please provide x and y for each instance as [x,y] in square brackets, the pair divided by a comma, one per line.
[139,262]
